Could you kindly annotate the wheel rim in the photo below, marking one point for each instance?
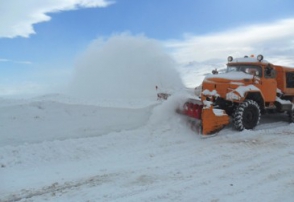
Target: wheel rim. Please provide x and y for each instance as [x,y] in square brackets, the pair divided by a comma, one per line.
[249,117]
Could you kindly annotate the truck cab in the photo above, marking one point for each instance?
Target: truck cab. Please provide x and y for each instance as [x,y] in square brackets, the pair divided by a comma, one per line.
[263,76]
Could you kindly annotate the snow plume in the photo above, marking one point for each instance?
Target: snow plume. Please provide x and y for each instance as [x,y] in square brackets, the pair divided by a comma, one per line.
[124,67]
[166,111]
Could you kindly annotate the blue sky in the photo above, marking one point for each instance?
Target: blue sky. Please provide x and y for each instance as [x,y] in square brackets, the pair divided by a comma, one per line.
[39,42]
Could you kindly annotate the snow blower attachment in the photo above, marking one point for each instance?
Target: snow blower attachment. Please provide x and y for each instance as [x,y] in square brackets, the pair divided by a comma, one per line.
[212,120]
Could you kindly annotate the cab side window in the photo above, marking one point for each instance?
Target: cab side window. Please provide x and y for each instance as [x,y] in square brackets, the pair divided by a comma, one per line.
[290,79]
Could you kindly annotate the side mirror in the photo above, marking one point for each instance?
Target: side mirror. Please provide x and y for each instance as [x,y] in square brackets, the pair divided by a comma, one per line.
[214,71]
[269,72]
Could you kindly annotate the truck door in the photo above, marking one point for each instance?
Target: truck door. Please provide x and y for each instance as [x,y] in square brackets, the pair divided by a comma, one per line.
[269,84]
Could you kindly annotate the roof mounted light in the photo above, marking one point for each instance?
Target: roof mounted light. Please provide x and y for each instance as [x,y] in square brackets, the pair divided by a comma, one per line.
[230,59]
[260,57]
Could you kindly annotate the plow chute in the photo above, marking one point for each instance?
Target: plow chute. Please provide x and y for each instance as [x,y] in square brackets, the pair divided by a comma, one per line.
[212,120]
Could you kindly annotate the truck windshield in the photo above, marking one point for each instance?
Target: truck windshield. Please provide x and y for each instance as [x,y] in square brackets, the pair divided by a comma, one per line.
[248,69]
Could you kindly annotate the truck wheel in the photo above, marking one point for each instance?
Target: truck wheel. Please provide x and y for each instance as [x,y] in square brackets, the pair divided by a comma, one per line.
[247,115]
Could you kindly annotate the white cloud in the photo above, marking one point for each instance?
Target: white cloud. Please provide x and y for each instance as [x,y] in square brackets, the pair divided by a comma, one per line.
[19,62]
[4,60]
[274,40]
[24,62]
[18,17]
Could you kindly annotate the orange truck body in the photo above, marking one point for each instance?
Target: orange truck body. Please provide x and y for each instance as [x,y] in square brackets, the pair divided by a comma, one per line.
[284,73]
[250,87]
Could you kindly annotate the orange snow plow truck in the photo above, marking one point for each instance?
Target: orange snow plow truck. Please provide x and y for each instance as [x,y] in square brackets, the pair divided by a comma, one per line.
[250,87]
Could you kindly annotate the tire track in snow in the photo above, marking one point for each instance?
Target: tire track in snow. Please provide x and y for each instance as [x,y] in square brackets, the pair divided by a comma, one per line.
[56,187]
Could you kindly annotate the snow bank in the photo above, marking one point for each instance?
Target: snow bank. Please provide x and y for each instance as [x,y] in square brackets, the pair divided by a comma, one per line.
[38,121]
[124,67]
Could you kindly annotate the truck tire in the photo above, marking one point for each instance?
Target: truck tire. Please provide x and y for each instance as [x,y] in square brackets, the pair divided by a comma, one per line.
[247,115]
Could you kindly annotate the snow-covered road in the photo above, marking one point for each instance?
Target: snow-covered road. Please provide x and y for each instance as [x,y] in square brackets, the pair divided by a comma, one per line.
[75,152]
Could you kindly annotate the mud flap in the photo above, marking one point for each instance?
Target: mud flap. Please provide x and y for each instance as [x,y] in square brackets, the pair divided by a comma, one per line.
[213,120]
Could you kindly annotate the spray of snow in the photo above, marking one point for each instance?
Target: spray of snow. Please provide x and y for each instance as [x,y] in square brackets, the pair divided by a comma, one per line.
[124,67]
[164,114]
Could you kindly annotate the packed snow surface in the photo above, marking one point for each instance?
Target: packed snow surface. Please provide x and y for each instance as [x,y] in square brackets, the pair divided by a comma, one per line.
[55,148]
